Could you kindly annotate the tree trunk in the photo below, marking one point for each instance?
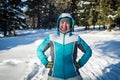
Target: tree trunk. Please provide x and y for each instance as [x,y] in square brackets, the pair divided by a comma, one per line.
[5,30]
[109,28]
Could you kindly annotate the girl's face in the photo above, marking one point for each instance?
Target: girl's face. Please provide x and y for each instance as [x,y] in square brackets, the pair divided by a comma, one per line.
[64,27]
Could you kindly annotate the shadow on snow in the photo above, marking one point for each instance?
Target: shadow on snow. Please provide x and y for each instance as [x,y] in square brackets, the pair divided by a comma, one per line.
[23,39]
[111,72]
[110,48]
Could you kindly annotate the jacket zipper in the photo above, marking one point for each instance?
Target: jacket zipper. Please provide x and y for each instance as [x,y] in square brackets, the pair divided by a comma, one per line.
[63,53]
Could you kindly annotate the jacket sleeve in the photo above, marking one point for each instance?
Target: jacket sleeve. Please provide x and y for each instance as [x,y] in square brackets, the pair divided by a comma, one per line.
[86,50]
[41,49]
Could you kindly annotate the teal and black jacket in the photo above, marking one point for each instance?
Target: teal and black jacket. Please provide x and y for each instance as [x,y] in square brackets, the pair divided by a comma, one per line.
[63,51]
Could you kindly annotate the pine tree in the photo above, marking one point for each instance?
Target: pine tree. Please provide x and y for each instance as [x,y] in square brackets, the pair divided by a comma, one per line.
[40,12]
[11,16]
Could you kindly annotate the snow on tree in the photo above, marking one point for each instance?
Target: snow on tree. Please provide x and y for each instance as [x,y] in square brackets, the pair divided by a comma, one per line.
[11,16]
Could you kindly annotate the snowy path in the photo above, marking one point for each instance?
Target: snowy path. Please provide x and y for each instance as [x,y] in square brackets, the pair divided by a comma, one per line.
[18,60]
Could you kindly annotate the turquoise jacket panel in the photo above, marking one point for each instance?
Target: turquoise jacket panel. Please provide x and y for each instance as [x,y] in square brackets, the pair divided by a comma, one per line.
[87,53]
[63,62]
[40,51]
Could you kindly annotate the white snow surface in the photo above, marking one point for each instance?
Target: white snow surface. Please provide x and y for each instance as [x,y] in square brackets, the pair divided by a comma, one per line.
[19,61]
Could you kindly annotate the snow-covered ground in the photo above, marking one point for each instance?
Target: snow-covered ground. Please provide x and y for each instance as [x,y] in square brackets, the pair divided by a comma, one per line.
[18,59]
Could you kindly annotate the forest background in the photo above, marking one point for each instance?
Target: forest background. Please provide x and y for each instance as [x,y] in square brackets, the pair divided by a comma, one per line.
[42,14]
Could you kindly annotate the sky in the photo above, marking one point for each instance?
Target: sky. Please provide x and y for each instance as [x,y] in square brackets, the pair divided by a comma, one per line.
[23,0]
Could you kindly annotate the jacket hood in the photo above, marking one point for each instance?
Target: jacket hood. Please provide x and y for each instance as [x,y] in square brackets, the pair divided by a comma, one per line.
[65,15]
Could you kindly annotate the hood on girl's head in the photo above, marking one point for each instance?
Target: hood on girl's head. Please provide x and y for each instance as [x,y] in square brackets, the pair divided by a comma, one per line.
[64,16]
